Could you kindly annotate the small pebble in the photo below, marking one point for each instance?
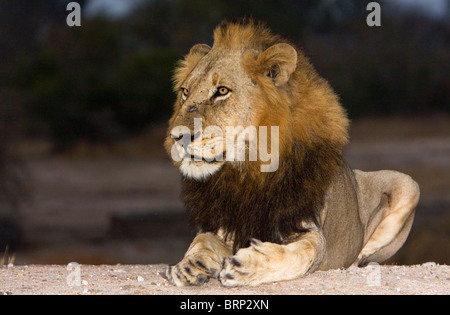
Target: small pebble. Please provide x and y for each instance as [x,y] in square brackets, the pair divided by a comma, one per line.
[430,264]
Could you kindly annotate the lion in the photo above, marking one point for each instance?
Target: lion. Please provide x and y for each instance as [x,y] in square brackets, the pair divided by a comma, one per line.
[313,212]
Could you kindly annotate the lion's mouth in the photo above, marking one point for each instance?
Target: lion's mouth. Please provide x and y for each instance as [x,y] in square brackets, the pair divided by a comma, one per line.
[217,159]
[195,152]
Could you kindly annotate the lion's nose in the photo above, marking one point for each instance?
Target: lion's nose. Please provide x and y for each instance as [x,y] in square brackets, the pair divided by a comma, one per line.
[192,109]
[179,136]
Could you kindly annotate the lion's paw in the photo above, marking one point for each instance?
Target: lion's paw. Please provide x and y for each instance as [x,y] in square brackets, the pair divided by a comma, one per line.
[250,266]
[193,270]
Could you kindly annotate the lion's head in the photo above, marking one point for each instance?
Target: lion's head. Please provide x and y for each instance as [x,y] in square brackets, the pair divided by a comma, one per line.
[249,77]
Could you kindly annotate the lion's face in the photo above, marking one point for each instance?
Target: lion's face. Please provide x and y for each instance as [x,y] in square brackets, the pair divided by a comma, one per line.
[214,96]
[227,95]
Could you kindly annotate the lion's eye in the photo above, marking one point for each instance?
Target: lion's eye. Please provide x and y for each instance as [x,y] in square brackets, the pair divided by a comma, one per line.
[223,91]
[185,92]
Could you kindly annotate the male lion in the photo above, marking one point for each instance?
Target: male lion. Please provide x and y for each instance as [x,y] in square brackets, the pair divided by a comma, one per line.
[313,212]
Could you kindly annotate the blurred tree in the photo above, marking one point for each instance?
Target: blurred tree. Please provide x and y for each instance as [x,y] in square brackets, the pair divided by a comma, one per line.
[447,11]
[398,68]
[110,79]
[86,86]
[13,189]
[182,23]
[24,24]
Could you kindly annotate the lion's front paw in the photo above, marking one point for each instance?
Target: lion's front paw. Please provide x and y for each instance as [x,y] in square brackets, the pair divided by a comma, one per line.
[250,266]
[193,270]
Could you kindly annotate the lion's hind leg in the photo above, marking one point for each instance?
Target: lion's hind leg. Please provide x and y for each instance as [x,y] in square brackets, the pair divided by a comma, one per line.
[387,205]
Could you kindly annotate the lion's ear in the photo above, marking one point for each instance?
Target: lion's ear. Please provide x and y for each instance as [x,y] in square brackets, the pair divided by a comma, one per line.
[186,65]
[278,62]
[199,50]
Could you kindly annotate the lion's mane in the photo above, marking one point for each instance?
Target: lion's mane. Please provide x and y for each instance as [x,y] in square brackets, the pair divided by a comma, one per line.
[274,207]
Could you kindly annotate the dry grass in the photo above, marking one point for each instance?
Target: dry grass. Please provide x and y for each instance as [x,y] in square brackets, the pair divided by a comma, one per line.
[7,258]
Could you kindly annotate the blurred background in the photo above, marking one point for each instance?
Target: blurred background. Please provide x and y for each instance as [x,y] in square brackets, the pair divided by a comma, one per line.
[83,111]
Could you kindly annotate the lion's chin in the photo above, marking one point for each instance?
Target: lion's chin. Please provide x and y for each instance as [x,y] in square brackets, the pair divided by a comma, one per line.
[199,170]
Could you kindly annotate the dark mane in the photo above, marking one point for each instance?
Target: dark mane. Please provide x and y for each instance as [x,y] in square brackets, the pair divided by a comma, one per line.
[272,209]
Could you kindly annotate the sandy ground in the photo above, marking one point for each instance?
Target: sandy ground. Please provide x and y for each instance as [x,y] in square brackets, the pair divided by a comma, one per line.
[425,279]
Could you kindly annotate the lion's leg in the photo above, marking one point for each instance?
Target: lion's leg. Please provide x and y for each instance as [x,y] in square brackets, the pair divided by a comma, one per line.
[388,204]
[268,262]
[202,260]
